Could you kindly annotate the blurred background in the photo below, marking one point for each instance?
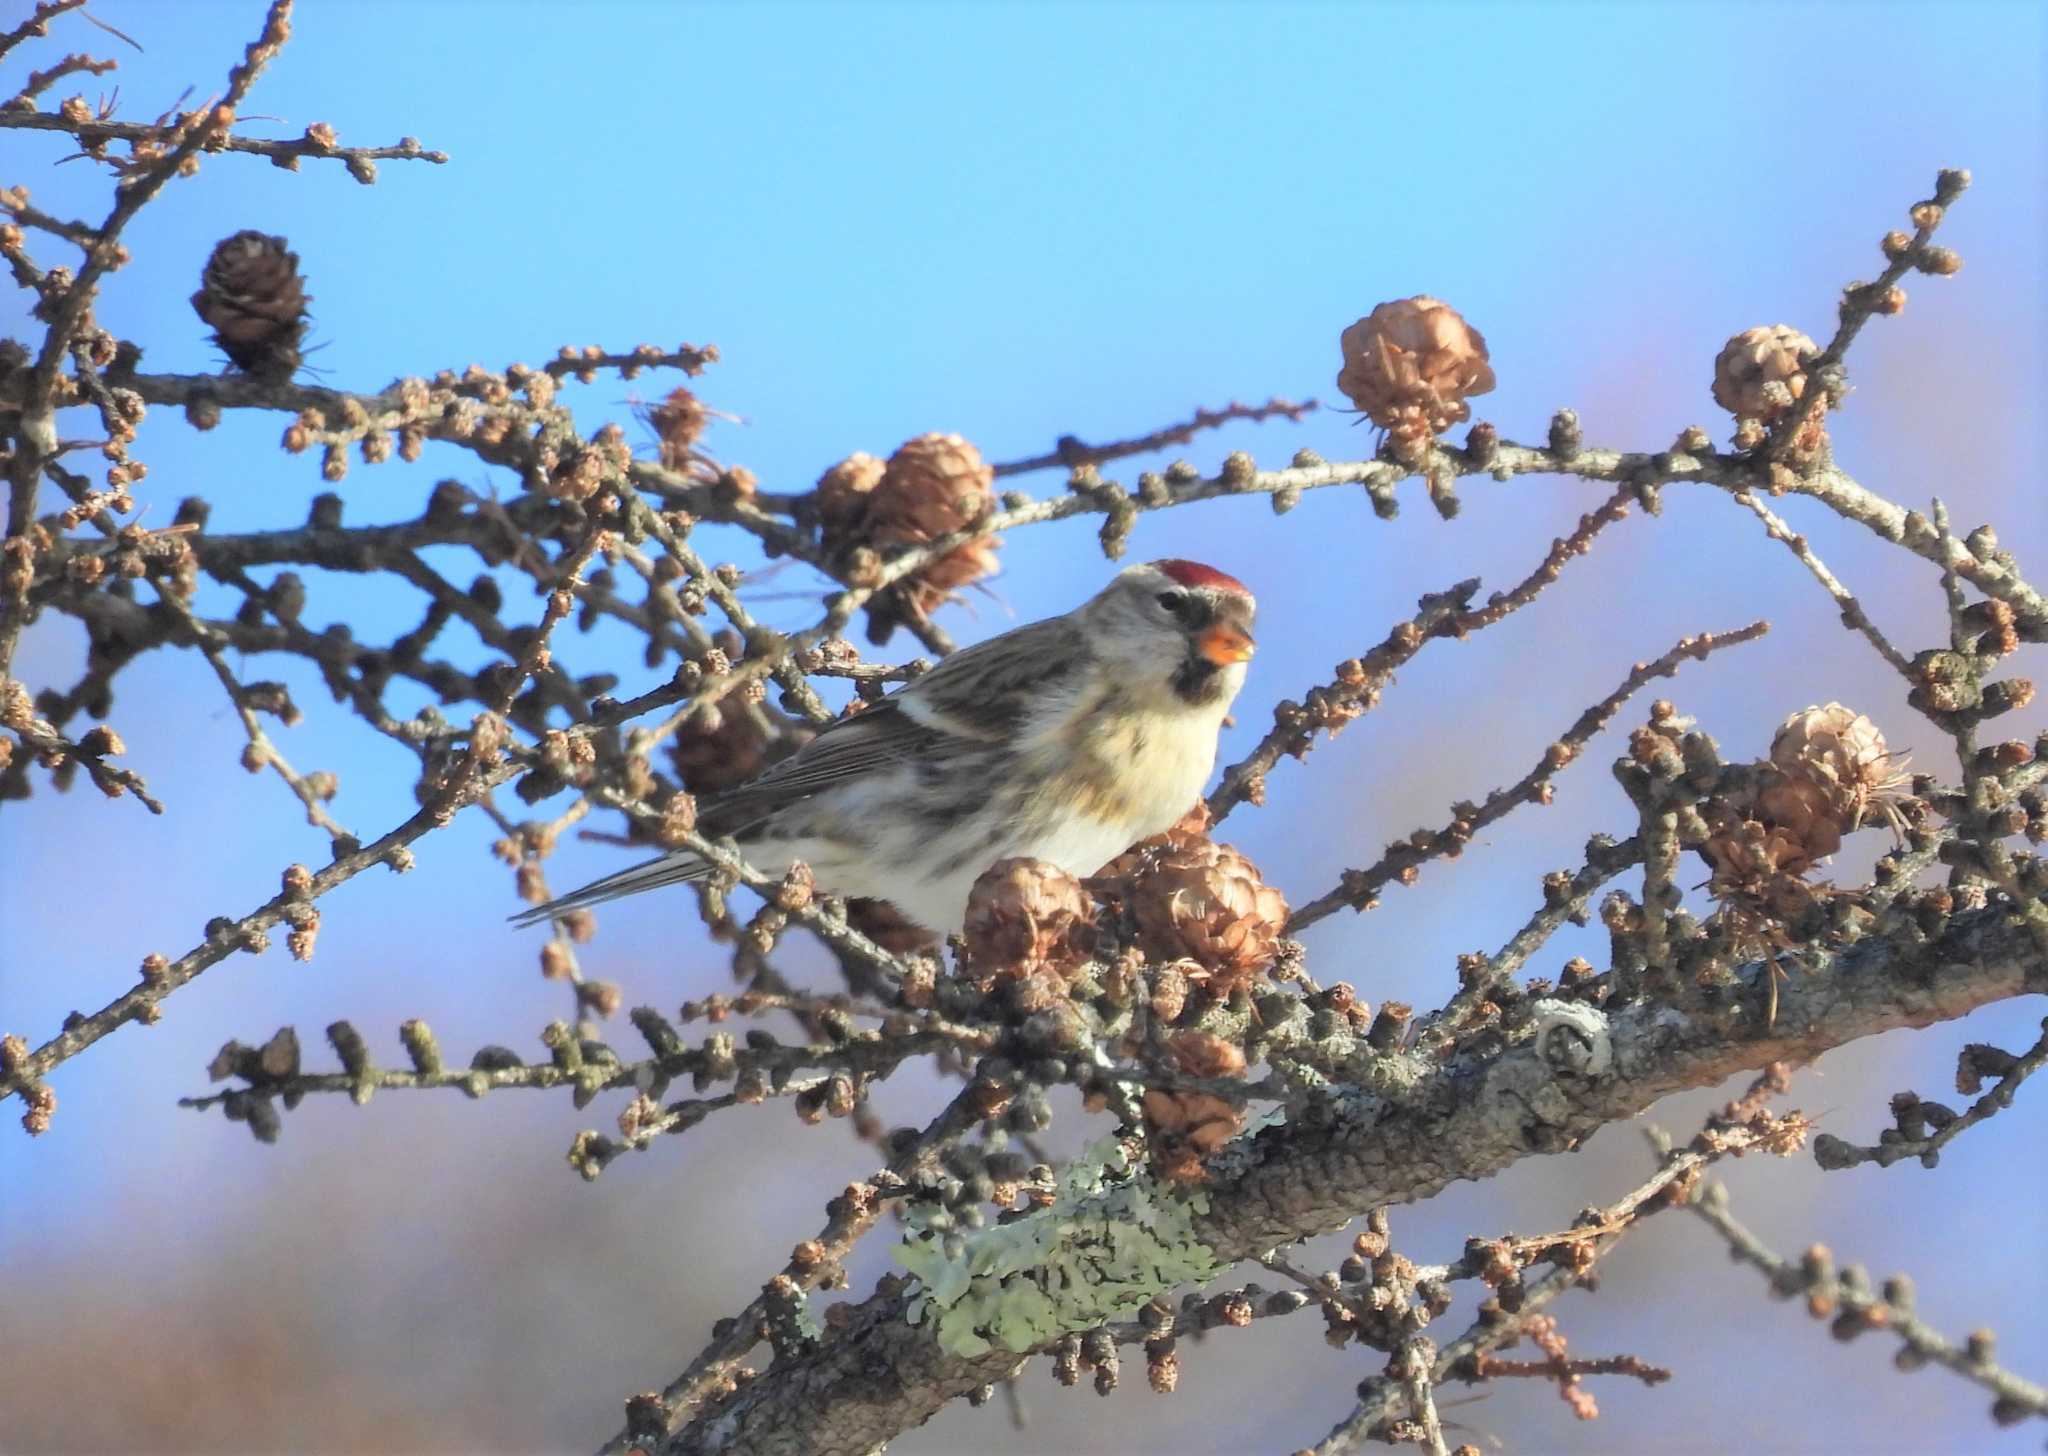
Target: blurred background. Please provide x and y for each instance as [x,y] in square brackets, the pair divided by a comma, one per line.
[1014,222]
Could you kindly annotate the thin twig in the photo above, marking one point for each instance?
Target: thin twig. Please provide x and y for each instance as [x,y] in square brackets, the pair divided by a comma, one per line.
[1853,615]
[1070,452]
[1897,1145]
[1360,889]
[1857,1308]
[97,132]
[1358,684]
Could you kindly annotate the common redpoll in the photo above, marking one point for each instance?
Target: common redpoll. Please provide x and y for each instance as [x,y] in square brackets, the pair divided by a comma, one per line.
[1066,740]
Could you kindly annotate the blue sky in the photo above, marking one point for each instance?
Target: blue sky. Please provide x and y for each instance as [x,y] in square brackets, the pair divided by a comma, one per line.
[1021,222]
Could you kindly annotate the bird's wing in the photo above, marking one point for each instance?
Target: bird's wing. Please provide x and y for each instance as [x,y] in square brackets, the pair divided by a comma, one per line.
[881,738]
[994,692]
[978,697]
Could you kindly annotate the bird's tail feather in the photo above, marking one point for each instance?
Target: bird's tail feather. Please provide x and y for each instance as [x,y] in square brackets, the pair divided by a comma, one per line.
[670,869]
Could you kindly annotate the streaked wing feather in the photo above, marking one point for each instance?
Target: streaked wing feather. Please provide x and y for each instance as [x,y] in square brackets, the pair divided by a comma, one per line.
[880,738]
[974,698]
[987,690]
[651,874]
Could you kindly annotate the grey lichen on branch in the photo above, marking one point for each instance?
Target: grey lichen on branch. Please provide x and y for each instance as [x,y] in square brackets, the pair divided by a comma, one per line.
[1464,1119]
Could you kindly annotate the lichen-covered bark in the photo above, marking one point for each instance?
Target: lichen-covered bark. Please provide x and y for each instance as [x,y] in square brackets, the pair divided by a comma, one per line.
[1435,1124]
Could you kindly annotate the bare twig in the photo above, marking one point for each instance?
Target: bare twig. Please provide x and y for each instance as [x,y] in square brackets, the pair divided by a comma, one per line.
[1360,681]
[1856,1308]
[38,22]
[1853,615]
[1925,1128]
[316,143]
[1360,888]
[1865,301]
[1070,452]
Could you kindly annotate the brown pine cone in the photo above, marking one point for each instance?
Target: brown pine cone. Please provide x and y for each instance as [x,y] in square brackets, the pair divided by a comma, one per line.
[1844,754]
[678,422]
[936,584]
[1206,902]
[932,486]
[1203,1054]
[1409,366]
[1758,864]
[1803,810]
[719,748]
[1026,917]
[1201,1122]
[253,297]
[1192,825]
[1761,372]
[1185,1127]
[844,493]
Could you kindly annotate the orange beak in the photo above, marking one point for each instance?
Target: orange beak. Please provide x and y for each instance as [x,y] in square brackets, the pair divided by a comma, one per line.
[1224,644]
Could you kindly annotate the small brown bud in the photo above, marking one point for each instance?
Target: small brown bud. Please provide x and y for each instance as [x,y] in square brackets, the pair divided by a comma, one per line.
[305,932]
[102,742]
[41,1105]
[1162,1366]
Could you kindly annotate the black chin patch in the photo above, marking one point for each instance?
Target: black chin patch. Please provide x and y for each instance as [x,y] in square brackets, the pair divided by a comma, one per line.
[1198,680]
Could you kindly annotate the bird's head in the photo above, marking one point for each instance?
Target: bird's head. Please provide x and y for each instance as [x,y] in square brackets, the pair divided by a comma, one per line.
[1179,625]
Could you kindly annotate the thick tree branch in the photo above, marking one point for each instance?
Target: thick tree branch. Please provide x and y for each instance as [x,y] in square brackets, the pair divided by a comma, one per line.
[1578,1070]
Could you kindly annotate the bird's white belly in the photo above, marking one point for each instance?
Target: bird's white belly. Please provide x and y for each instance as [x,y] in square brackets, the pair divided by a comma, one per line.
[1080,806]
[918,881]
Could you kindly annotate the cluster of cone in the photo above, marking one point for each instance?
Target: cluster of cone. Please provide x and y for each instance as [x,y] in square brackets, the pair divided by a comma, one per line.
[1207,925]
[1197,908]
[933,486]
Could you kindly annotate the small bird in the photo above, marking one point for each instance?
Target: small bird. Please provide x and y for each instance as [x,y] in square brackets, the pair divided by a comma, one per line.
[1066,740]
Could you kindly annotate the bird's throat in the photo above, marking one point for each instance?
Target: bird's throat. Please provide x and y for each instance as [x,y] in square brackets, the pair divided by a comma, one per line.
[1200,682]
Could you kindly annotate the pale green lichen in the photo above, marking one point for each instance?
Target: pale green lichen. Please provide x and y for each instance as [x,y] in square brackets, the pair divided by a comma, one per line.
[1111,1240]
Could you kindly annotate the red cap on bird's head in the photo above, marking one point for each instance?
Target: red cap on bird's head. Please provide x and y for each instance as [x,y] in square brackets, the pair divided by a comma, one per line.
[1194,574]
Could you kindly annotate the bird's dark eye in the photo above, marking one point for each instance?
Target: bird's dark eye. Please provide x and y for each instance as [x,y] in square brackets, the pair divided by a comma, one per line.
[1174,602]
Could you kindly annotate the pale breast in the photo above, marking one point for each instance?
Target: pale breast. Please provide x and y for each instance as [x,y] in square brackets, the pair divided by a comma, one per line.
[1134,771]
